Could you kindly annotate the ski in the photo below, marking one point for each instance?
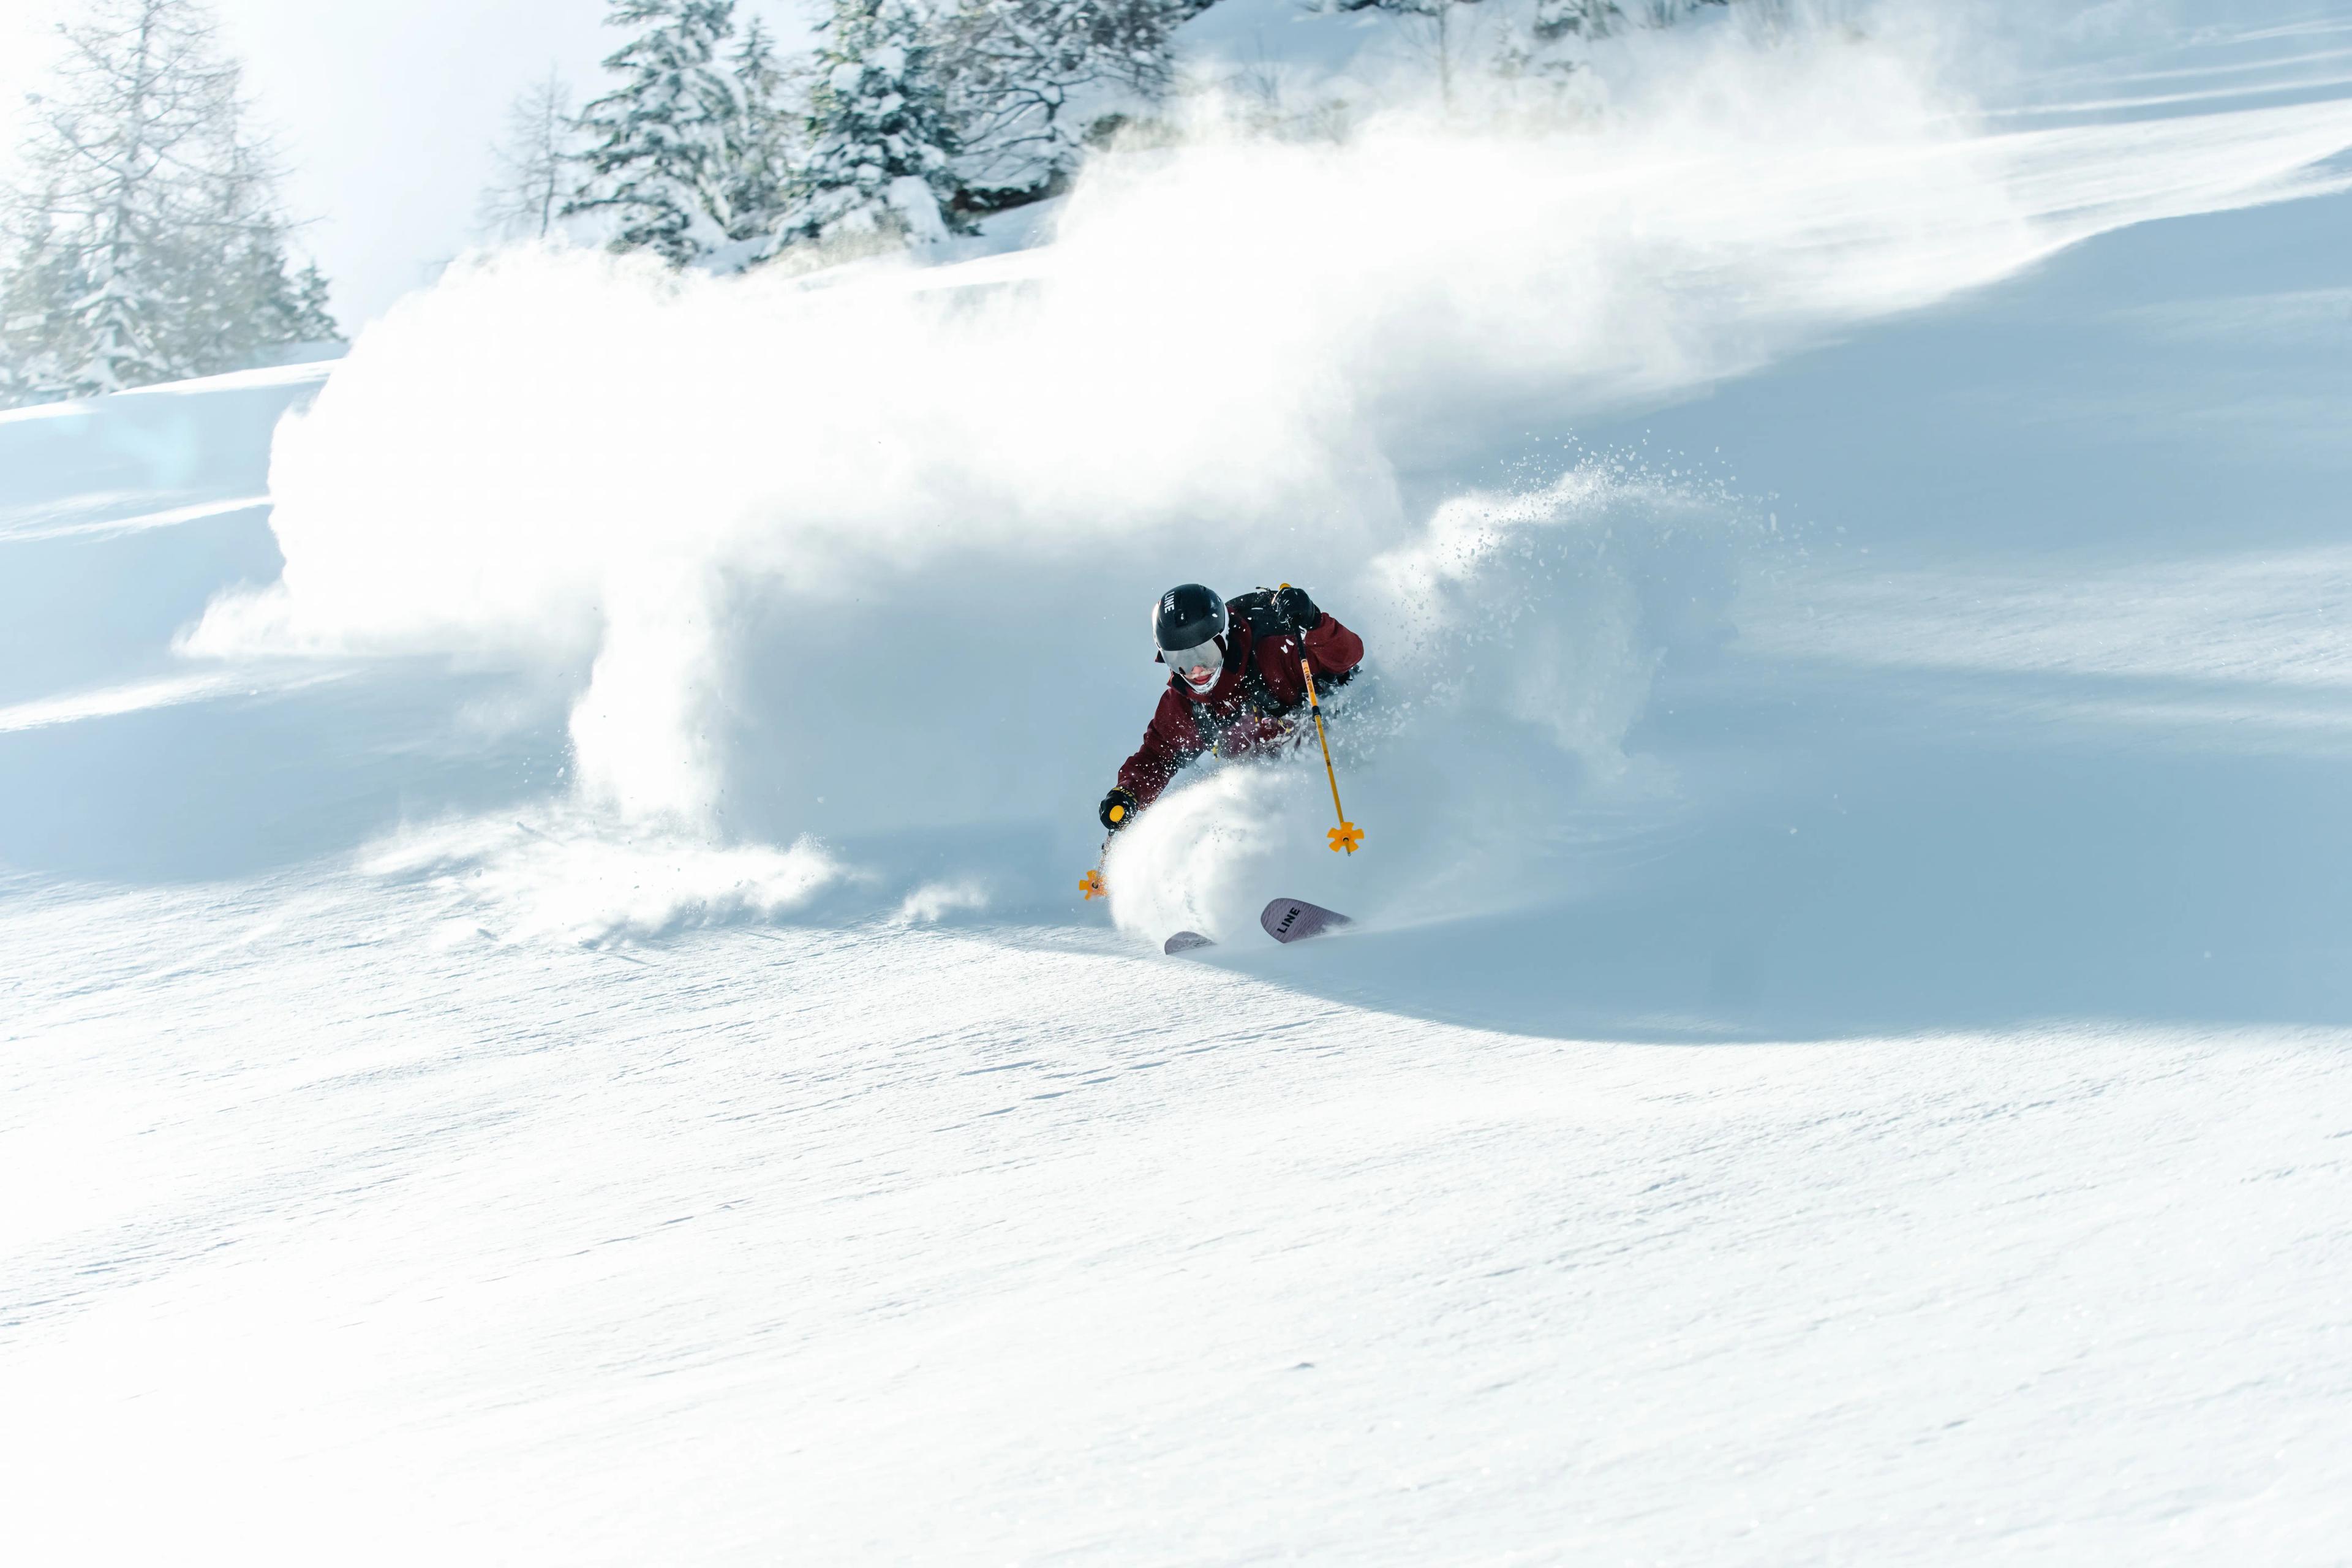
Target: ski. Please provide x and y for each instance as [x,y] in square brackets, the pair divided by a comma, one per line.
[1296,919]
[1185,942]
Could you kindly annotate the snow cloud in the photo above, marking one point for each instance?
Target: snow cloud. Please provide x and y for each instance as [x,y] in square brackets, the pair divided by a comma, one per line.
[571,880]
[884,536]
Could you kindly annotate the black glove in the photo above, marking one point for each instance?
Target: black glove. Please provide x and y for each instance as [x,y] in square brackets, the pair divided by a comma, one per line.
[1296,608]
[1118,809]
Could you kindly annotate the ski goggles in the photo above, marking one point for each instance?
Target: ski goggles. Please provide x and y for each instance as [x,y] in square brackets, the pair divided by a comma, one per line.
[1183,661]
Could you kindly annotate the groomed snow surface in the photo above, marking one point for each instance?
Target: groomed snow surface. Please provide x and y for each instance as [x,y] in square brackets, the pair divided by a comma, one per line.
[545,1015]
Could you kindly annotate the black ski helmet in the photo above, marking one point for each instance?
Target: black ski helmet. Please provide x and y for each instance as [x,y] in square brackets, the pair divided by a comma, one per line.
[1187,617]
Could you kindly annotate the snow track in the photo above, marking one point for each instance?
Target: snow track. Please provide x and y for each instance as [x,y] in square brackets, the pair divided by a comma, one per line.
[996,1245]
[539,1021]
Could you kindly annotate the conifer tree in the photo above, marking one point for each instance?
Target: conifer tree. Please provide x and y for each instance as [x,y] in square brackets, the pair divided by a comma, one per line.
[147,243]
[39,343]
[880,137]
[659,164]
[1577,18]
[1021,74]
[1666,12]
[1601,19]
[758,144]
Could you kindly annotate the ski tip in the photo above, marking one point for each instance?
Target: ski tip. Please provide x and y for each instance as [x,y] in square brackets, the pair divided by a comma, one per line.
[1296,919]
[1185,942]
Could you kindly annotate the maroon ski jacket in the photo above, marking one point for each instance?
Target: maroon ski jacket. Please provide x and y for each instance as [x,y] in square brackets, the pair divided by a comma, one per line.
[1250,706]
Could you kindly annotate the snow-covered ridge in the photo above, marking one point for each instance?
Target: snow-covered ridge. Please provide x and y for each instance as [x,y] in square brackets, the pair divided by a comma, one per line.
[309,373]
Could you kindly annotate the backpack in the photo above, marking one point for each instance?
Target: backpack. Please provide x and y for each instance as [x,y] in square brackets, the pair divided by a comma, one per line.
[1256,610]
[1257,607]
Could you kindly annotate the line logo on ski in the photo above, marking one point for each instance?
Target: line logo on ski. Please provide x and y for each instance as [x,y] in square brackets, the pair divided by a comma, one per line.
[1296,919]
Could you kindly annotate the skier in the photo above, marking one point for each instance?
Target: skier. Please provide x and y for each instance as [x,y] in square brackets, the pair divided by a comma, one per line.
[1236,681]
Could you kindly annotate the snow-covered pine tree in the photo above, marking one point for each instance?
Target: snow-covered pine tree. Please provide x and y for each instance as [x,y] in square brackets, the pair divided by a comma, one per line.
[1577,18]
[880,142]
[148,244]
[1666,12]
[660,162]
[1601,19]
[39,345]
[305,311]
[760,138]
[1021,77]
[534,161]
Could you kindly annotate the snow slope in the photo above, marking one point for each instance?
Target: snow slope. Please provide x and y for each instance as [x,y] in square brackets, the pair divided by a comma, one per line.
[547,1015]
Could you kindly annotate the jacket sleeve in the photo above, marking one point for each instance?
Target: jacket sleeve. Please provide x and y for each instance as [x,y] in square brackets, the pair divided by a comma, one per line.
[1332,647]
[1170,740]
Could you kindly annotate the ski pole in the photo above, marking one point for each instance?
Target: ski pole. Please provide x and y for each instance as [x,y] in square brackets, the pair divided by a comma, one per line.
[1091,884]
[1346,835]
